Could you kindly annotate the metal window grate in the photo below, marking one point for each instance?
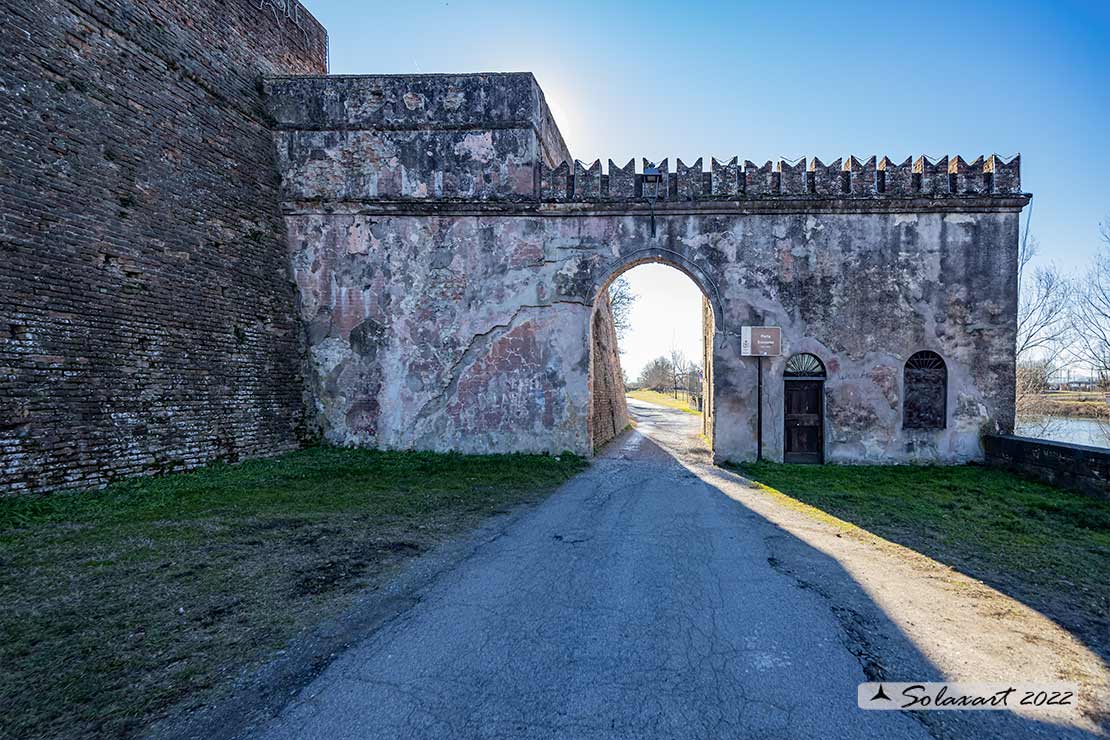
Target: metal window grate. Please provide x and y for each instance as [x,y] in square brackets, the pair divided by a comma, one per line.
[804,365]
[925,392]
[925,360]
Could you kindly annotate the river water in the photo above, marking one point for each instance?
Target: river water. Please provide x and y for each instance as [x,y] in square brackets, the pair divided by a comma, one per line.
[1072,429]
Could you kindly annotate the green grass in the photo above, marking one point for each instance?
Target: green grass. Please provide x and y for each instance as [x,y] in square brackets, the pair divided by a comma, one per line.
[118,605]
[1047,547]
[662,399]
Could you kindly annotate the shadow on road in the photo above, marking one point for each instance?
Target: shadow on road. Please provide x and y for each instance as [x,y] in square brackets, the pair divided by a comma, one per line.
[653,595]
[883,648]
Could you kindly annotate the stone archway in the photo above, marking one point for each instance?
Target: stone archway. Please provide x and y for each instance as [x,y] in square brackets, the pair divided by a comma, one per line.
[608,414]
[662,256]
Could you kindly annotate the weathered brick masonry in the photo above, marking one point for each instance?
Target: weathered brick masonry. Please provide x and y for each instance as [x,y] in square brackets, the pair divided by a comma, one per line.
[608,410]
[146,309]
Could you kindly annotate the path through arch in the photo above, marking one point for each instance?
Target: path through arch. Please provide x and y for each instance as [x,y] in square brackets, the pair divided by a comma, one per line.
[680,289]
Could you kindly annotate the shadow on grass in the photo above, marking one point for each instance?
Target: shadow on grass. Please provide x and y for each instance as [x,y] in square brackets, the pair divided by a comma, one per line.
[116,604]
[602,591]
[1046,547]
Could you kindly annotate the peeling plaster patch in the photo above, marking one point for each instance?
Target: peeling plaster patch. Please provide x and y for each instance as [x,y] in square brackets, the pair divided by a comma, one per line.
[414,101]
[699,240]
[901,219]
[477,146]
[960,218]
[454,100]
[356,238]
[812,225]
[330,353]
[414,187]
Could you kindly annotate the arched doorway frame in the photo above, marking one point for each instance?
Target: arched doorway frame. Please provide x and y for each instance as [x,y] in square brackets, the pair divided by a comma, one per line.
[671,258]
[808,379]
[709,290]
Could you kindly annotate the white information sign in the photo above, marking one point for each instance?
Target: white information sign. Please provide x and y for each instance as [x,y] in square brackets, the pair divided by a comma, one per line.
[760,341]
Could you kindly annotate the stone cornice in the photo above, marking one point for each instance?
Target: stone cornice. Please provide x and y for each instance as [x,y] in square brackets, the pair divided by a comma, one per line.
[716,207]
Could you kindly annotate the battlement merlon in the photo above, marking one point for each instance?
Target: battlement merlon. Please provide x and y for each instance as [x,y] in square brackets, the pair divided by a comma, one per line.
[850,177]
[492,138]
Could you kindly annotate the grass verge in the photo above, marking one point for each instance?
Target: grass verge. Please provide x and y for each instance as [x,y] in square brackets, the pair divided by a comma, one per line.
[117,606]
[1044,546]
[662,399]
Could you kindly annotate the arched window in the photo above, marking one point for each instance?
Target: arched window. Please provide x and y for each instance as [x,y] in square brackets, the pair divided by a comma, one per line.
[925,392]
[804,365]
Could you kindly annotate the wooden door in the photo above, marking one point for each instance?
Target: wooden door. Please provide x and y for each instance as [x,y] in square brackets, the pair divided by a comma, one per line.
[804,421]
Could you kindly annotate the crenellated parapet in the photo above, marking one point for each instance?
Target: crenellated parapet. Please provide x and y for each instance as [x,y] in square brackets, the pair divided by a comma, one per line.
[842,178]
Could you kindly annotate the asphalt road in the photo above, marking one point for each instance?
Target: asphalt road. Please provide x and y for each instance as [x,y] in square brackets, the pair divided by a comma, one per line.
[636,602]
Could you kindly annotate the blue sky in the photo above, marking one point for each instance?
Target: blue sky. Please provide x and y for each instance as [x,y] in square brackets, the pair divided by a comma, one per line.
[764,80]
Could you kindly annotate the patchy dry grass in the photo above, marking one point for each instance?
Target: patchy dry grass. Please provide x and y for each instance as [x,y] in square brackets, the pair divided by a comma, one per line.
[662,399]
[117,605]
[1045,546]
[1072,403]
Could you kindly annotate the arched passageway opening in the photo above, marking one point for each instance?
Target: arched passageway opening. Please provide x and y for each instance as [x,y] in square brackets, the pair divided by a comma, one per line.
[651,341]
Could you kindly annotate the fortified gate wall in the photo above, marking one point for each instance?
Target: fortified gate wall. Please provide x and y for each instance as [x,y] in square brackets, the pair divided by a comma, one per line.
[448,270]
[447,263]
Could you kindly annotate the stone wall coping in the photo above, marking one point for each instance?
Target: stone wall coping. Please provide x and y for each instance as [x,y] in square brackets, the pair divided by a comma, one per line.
[1081,468]
[720,206]
[493,100]
[480,101]
[1053,444]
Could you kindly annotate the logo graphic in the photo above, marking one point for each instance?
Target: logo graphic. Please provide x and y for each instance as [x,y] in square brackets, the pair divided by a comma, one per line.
[880,694]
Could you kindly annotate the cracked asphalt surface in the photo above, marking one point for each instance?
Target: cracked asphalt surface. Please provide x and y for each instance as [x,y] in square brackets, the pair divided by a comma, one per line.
[637,601]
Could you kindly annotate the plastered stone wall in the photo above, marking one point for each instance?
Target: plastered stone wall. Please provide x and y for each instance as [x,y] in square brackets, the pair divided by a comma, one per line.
[426,333]
[420,137]
[472,333]
[451,308]
[147,318]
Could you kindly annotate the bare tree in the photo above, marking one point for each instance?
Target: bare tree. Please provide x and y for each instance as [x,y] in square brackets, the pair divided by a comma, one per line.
[678,370]
[1035,410]
[621,300]
[693,379]
[693,384]
[1092,312]
[1091,317]
[1043,301]
[1043,333]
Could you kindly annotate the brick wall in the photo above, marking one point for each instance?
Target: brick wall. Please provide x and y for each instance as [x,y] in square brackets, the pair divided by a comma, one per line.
[146,318]
[708,329]
[609,412]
